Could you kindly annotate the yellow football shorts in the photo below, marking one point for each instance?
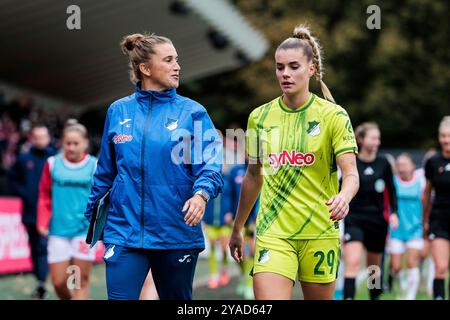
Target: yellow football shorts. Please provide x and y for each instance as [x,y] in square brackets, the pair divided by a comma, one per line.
[315,261]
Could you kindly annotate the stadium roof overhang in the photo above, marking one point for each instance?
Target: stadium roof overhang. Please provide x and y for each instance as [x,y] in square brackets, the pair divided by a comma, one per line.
[86,67]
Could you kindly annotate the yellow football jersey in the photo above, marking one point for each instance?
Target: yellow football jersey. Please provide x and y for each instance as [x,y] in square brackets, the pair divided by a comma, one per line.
[298,150]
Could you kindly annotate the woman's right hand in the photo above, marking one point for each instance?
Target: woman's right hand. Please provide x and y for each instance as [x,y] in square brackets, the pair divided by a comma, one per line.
[42,231]
[237,245]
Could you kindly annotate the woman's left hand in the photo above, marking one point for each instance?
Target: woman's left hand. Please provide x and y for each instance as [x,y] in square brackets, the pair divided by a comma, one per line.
[195,207]
[338,207]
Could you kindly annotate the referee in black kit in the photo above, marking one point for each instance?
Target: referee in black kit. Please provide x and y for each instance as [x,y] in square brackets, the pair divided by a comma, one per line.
[365,226]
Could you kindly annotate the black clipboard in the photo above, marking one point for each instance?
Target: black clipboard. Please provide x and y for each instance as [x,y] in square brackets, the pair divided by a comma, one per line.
[98,219]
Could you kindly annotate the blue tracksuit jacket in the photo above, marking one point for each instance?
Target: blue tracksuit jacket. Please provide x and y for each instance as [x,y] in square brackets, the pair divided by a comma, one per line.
[144,136]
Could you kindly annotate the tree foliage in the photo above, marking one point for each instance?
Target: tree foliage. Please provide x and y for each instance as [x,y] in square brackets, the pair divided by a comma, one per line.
[397,76]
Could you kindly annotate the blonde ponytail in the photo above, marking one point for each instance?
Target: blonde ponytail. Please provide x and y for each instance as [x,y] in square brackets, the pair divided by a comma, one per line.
[326,92]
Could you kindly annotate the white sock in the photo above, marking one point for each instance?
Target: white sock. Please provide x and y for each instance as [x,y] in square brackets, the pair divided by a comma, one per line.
[413,283]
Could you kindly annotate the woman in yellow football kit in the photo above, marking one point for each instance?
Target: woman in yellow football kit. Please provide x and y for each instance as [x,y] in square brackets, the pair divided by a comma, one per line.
[295,144]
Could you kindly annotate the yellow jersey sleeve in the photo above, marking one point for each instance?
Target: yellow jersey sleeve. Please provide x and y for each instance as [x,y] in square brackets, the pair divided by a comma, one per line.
[342,136]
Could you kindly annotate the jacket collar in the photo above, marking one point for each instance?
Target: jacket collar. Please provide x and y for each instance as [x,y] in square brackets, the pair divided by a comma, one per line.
[161,96]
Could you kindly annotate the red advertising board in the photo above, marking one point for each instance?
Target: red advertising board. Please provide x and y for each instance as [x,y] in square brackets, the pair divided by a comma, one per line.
[14,250]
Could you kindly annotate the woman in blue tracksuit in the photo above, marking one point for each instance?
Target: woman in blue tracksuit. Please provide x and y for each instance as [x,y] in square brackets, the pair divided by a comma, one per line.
[161,157]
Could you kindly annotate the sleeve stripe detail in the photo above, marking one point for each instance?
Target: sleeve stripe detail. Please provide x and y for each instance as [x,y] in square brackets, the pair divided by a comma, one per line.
[346,150]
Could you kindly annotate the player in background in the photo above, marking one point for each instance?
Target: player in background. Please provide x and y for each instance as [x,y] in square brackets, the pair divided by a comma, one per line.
[295,144]
[385,261]
[408,237]
[235,178]
[217,224]
[24,179]
[340,278]
[365,225]
[63,194]
[426,259]
[437,219]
